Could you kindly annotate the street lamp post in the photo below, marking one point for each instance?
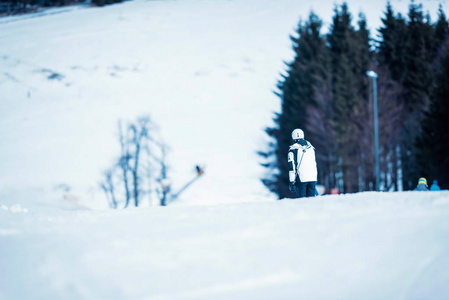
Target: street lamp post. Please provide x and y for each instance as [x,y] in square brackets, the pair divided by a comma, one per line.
[374,76]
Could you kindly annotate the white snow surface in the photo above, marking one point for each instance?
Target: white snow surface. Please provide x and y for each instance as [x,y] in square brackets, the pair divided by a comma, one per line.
[362,246]
[204,70]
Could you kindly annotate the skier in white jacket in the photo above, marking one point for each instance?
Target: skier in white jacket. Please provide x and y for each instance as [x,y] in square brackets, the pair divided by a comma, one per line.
[302,166]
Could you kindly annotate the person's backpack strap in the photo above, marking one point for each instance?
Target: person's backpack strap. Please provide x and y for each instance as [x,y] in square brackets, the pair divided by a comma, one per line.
[302,155]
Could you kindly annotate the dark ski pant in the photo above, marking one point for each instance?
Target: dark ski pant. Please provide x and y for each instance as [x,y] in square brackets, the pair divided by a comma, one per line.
[305,189]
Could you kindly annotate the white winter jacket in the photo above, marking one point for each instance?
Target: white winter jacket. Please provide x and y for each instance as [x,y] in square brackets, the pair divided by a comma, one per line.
[301,161]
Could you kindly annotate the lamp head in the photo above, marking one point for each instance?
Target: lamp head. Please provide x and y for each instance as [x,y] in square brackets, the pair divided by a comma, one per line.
[371,74]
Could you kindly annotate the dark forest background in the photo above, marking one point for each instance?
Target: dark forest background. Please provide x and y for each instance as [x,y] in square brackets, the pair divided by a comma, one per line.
[9,7]
[325,91]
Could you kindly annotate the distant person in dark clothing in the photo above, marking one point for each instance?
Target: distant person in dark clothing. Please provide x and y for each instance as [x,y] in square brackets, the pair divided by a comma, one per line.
[435,186]
[422,185]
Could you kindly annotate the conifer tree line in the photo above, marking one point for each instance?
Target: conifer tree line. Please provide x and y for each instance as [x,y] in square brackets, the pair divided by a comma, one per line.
[22,6]
[325,91]
[105,2]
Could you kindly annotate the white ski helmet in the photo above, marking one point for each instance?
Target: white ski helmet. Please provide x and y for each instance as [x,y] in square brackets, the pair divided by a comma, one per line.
[297,134]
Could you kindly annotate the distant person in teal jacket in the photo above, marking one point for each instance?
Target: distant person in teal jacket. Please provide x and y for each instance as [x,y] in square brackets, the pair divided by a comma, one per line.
[422,185]
[435,186]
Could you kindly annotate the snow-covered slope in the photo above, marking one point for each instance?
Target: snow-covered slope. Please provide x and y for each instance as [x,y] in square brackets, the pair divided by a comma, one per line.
[203,70]
[361,246]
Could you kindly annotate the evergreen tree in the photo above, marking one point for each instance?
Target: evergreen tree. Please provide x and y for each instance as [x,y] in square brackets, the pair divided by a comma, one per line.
[362,62]
[433,144]
[441,29]
[392,68]
[417,88]
[441,40]
[347,70]
[418,52]
[392,43]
